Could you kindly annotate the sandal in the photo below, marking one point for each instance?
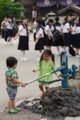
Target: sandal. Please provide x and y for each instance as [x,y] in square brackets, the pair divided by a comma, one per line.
[12,111]
[17,109]
[42,95]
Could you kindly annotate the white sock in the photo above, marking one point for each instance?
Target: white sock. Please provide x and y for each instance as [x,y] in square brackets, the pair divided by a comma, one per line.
[67,50]
[23,54]
[10,41]
[40,54]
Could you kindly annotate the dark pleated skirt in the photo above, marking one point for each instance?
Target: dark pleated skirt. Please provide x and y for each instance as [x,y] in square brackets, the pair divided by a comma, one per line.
[40,44]
[23,43]
[73,40]
[34,36]
[10,32]
[77,41]
[67,39]
[59,42]
[49,42]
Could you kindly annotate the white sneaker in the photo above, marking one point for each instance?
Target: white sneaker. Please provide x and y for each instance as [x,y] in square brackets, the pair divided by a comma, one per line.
[25,59]
[77,55]
[38,59]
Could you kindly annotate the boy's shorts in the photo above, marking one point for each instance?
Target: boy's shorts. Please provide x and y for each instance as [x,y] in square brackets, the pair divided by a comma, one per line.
[45,85]
[12,92]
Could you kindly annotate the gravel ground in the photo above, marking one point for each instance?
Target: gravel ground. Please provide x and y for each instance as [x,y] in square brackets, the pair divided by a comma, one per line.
[23,115]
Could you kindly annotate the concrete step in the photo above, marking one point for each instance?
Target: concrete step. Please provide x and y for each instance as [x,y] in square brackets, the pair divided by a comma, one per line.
[69,118]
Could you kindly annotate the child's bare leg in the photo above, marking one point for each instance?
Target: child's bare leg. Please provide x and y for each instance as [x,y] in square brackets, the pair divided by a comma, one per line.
[10,106]
[47,88]
[13,104]
[42,90]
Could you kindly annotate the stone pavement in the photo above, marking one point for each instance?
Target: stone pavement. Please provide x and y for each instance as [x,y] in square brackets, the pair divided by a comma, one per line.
[25,72]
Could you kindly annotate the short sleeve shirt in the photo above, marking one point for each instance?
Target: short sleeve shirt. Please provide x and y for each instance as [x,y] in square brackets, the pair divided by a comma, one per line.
[66,27]
[47,28]
[23,31]
[40,32]
[9,25]
[10,74]
[46,67]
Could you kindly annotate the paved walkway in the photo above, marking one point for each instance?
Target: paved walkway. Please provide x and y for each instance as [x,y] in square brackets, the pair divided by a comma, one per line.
[25,73]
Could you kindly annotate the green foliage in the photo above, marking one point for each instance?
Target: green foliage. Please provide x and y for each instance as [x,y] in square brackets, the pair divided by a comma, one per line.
[9,9]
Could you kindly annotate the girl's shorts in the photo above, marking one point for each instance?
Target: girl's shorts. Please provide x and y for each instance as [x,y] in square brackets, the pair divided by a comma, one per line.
[45,85]
[12,92]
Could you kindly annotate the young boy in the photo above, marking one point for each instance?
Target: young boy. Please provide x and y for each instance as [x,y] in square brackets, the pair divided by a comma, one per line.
[12,83]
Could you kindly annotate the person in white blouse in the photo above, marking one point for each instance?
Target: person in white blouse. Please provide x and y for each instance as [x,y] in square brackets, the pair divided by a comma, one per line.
[67,33]
[58,26]
[9,27]
[77,38]
[39,43]
[23,39]
[73,27]
[48,31]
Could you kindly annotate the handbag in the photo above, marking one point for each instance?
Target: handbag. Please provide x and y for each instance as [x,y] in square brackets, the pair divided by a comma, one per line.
[72,51]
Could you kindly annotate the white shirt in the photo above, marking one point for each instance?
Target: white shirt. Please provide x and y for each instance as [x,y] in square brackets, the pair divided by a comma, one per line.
[34,27]
[40,32]
[47,28]
[66,27]
[78,28]
[58,28]
[73,29]
[23,31]
[9,25]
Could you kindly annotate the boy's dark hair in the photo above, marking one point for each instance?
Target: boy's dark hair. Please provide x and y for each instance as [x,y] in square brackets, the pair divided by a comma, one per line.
[38,21]
[49,52]
[57,19]
[51,21]
[11,61]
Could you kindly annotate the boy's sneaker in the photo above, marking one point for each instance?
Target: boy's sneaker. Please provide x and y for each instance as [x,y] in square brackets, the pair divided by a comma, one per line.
[12,111]
[17,109]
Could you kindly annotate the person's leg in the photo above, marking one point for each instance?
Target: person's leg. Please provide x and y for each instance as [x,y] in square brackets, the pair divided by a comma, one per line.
[58,50]
[47,88]
[10,105]
[38,59]
[77,52]
[2,33]
[67,50]
[13,104]
[24,56]
[10,40]
[41,89]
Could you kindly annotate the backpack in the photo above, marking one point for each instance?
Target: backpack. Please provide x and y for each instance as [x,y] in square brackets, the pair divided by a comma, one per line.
[57,36]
